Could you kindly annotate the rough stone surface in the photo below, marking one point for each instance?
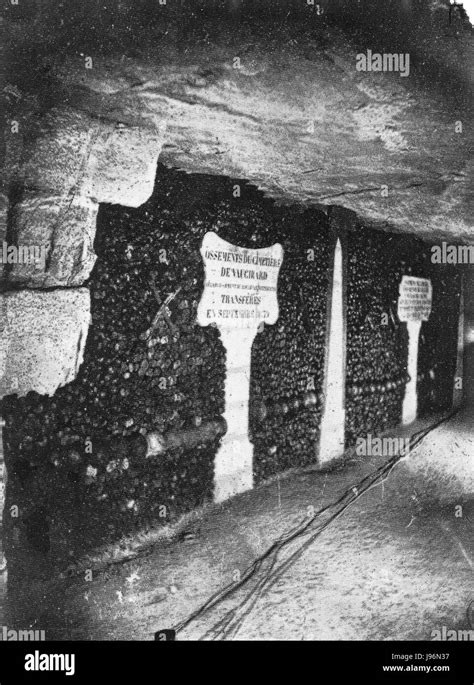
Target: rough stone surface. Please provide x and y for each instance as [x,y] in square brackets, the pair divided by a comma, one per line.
[72,162]
[285,108]
[64,227]
[4,205]
[122,166]
[56,154]
[42,342]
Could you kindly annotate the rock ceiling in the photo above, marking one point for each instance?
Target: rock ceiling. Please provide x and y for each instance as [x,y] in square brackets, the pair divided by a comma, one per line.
[281,105]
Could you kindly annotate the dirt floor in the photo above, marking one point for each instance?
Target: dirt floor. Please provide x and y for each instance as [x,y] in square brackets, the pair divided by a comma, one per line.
[396,565]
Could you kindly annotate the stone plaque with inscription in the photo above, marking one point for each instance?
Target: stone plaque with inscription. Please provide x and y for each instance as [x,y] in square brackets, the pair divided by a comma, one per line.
[414,303]
[241,284]
[240,294]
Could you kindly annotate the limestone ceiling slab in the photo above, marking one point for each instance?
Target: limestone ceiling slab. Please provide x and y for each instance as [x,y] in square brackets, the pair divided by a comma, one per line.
[293,116]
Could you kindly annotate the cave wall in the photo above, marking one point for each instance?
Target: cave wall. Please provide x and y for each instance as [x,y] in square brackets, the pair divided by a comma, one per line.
[287,372]
[63,473]
[60,466]
[377,342]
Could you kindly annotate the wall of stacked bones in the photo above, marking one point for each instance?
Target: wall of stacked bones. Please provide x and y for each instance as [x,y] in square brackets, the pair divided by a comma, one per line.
[76,463]
[377,342]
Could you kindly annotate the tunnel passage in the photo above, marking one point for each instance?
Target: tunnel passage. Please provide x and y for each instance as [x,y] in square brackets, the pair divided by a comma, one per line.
[377,341]
[77,467]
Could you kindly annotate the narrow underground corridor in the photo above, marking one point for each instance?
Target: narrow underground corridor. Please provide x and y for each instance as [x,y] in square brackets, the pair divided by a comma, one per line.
[237,363]
[403,548]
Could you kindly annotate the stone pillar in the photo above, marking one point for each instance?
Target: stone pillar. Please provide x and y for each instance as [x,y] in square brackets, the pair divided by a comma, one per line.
[459,373]
[233,471]
[71,163]
[331,443]
[468,370]
[410,400]
[332,437]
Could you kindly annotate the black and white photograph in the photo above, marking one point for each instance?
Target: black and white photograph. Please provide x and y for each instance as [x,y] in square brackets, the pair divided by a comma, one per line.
[237,336]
